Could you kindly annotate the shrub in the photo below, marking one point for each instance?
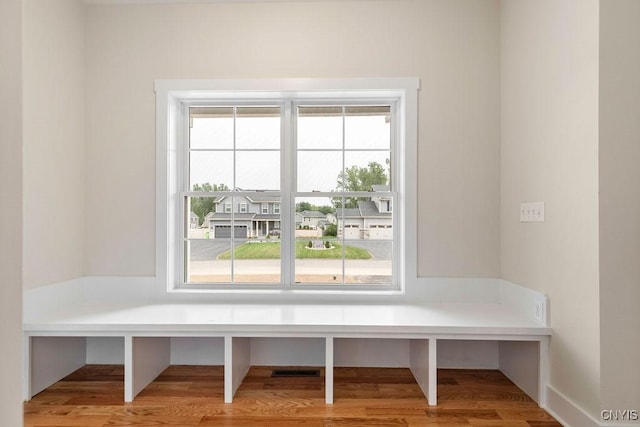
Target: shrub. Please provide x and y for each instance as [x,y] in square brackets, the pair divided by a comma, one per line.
[331,230]
[310,244]
[327,244]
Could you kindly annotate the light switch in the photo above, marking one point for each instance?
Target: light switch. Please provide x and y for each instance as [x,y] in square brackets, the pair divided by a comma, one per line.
[532,212]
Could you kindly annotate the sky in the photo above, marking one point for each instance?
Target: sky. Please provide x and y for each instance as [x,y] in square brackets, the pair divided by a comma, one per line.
[258,157]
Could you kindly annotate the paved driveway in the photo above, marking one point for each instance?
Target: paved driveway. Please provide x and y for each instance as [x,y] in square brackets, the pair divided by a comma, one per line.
[209,249]
[380,249]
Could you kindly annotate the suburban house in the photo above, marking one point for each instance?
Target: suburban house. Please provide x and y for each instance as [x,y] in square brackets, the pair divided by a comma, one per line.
[371,219]
[253,216]
[314,219]
[193,220]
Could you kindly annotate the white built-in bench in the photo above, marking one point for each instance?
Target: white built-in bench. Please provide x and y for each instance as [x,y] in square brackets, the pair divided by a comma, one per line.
[56,337]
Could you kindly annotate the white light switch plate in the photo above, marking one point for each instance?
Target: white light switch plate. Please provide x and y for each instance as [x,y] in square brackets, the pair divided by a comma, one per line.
[532,212]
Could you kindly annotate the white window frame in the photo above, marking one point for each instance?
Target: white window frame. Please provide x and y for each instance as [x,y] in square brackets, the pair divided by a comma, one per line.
[276,208]
[264,208]
[228,208]
[170,94]
[243,208]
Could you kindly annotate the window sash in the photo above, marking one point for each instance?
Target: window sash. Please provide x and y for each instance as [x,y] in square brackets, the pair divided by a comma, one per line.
[288,196]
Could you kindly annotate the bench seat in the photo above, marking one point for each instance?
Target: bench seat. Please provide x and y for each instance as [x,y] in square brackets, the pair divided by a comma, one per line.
[147,328]
[485,319]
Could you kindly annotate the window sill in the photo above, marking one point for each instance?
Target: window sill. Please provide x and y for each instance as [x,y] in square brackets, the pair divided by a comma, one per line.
[282,290]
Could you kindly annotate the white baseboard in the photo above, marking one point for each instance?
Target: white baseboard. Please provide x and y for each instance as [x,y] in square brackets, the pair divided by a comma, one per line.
[566,412]
[569,414]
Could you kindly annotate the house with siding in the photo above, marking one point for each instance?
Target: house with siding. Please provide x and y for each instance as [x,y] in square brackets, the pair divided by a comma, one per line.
[313,219]
[371,219]
[253,216]
[194,221]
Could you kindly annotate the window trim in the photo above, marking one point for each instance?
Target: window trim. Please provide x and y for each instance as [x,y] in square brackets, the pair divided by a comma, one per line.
[169,94]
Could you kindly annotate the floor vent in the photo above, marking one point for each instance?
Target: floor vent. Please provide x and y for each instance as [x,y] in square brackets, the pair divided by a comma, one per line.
[295,373]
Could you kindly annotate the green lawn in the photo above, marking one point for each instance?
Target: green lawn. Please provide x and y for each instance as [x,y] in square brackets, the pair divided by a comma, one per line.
[271,250]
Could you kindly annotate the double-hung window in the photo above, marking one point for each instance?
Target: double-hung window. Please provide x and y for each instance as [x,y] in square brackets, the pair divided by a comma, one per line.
[292,189]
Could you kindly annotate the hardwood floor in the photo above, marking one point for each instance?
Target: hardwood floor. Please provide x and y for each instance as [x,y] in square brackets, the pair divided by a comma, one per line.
[193,396]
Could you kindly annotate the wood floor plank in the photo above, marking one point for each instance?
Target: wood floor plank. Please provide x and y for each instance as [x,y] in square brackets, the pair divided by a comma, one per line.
[260,422]
[472,376]
[488,404]
[527,415]
[451,415]
[200,410]
[363,422]
[131,420]
[45,409]
[420,422]
[553,423]
[193,396]
[117,410]
[497,423]
[36,420]
[331,411]
[481,392]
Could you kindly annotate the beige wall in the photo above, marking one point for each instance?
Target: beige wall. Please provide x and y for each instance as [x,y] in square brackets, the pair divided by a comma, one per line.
[54,153]
[452,46]
[620,203]
[508,114]
[11,211]
[549,153]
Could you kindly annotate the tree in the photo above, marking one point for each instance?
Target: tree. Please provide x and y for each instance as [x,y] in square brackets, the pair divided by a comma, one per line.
[358,178]
[307,206]
[325,209]
[201,206]
[304,206]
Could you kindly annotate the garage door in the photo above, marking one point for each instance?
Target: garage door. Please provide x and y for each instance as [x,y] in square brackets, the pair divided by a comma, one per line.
[351,231]
[378,232]
[224,232]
